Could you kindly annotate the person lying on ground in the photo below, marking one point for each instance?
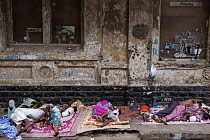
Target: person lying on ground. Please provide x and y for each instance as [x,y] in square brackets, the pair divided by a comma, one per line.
[182,113]
[171,106]
[27,103]
[68,110]
[24,118]
[109,117]
[56,115]
[105,112]
[44,103]
[46,117]
[192,110]
[56,119]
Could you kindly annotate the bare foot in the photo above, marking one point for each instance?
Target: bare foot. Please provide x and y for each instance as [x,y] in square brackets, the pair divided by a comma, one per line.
[156,119]
[163,121]
[19,131]
[27,126]
[145,117]
[41,124]
[99,119]
[56,133]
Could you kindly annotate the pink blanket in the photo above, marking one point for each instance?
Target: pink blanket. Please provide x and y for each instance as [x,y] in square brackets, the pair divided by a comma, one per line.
[68,128]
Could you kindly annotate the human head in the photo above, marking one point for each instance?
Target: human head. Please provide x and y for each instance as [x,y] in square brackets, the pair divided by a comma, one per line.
[43,101]
[11,103]
[75,109]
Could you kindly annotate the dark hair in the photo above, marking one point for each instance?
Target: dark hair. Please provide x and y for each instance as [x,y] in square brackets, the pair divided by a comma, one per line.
[206,109]
[75,109]
[119,111]
[206,116]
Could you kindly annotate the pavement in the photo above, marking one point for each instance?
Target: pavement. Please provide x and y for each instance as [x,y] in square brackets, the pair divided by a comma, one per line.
[139,132]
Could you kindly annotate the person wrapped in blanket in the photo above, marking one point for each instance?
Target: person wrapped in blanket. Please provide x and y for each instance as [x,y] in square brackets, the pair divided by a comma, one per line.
[183,113]
[24,115]
[171,107]
[46,118]
[105,112]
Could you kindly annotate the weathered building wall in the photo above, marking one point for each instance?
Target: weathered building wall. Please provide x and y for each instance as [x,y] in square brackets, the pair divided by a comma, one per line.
[121,41]
[173,72]
[114,51]
[140,28]
[3,37]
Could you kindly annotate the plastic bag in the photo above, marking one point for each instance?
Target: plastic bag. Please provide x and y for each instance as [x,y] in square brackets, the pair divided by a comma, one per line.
[153,71]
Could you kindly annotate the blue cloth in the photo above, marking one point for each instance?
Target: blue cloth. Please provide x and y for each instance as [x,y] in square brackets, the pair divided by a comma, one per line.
[9,131]
[167,110]
[56,116]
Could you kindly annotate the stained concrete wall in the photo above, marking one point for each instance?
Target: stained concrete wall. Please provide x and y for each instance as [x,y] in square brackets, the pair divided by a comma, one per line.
[121,41]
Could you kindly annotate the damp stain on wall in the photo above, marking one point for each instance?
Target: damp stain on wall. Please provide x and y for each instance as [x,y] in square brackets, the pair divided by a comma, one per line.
[140,31]
[113,21]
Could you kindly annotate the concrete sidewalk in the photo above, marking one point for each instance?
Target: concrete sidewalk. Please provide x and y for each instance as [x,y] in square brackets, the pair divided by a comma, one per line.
[140,132]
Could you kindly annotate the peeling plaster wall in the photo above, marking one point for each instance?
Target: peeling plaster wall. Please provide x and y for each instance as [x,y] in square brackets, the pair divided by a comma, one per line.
[180,77]
[138,47]
[114,52]
[121,41]
[49,73]
[114,77]
[2,24]
[183,72]
[92,26]
[114,31]
[208,43]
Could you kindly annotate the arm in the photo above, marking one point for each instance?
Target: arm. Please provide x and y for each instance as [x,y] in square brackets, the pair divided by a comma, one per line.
[107,122]
[196,101]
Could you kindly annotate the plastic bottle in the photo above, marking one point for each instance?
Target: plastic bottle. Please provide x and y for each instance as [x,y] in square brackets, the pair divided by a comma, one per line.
[154,102]
[132,103]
